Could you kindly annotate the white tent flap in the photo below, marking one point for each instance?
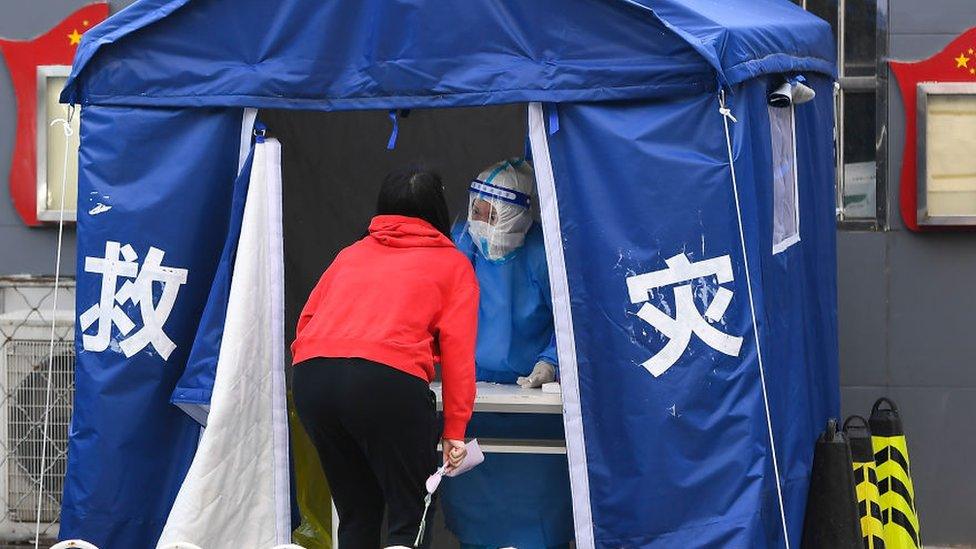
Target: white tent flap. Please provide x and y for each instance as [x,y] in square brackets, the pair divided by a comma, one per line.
[236,491]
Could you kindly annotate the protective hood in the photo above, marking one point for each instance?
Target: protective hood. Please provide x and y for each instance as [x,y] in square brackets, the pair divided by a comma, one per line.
[398,231]
[506,188]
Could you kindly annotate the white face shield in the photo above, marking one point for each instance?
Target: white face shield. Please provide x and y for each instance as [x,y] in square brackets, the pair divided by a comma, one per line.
[499,212]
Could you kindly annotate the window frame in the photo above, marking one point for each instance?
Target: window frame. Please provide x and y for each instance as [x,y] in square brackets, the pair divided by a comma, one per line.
[45,75]
[794,238]
[860,84]
[926,90]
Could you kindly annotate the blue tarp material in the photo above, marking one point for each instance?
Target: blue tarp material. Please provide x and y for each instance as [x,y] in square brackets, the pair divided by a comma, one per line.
[195,387]
[168,175]
[400,54]
[682,459]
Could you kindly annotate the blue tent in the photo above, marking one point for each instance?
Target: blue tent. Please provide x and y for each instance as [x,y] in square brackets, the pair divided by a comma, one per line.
[689,229]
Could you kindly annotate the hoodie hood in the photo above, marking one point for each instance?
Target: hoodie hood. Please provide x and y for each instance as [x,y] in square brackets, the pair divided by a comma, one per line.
[399,231]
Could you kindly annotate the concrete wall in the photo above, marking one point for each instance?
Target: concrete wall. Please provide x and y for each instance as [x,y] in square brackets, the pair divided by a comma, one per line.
[905,299]
[26,250]
[905,308]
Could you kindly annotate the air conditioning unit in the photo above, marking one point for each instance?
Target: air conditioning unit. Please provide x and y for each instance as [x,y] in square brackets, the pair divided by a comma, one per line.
[24,347]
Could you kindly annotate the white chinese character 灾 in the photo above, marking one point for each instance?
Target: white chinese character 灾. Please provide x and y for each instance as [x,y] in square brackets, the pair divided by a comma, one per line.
[139,290]
[687,320]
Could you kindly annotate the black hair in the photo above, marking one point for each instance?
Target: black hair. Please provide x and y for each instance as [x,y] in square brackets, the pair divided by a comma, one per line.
[414,191]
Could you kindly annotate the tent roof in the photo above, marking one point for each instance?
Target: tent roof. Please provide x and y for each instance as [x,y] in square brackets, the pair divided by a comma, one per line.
[357,54]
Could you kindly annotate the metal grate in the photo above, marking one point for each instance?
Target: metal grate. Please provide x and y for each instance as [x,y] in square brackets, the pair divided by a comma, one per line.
[25,330]
[26,387]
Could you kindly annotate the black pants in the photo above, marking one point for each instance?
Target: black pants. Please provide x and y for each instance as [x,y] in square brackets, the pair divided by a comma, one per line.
[375,430]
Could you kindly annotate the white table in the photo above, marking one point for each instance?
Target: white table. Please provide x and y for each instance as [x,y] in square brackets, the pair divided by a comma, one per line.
[509,399]
[512,399]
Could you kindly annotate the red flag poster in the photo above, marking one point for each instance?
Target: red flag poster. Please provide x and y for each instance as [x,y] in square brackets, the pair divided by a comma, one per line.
[23,57]
[956,63]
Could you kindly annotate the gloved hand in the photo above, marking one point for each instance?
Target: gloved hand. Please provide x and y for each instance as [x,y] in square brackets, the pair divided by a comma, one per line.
[541,374]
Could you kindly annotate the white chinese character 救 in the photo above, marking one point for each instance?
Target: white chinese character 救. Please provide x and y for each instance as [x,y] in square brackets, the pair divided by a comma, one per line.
[120,262]
[687,320]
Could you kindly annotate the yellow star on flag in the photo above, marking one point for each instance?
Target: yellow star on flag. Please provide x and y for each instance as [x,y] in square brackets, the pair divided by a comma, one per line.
[75,37]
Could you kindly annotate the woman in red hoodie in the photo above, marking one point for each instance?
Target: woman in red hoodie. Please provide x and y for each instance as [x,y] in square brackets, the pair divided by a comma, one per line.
[389,307]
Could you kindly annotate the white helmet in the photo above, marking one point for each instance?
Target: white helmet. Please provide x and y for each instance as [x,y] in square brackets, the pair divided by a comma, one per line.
[499,213]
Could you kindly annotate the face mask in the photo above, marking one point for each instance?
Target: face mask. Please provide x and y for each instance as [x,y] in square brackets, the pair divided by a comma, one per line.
[495,245]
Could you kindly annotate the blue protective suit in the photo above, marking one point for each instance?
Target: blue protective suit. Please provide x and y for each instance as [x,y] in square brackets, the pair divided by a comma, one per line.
[512,500]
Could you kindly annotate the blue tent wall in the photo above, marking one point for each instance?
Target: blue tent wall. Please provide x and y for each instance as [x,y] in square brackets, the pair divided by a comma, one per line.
[168,175]
[678,460]
[684,459]
[797,306]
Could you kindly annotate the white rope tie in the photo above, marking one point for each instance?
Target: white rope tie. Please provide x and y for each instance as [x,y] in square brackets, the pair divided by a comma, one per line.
[726,116]
[727,113]
[68,132]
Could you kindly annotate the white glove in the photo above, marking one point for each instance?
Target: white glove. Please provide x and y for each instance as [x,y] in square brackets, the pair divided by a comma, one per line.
[802,93]
[541,374]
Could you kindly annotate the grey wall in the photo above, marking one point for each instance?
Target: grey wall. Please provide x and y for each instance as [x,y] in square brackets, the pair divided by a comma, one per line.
[906,305]
[26,250]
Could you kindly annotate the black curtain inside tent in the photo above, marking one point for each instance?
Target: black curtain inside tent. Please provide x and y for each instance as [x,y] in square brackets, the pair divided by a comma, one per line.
[333,164]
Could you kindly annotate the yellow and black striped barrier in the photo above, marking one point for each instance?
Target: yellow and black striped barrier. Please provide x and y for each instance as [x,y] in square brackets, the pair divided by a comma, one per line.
[900,518]
[865,482]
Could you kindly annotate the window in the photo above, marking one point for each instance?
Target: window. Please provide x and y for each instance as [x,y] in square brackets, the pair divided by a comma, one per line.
[786,220]
[946,163]
[861,147]
[51,143]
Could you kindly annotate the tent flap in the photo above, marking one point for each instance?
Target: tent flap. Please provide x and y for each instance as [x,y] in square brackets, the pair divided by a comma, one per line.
[195,387]
[235,493]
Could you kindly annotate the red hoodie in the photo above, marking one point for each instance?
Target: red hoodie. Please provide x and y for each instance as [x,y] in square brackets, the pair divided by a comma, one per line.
[405,297]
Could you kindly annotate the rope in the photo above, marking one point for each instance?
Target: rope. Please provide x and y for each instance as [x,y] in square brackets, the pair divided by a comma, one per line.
[726,117]
[423,520]
[68,132]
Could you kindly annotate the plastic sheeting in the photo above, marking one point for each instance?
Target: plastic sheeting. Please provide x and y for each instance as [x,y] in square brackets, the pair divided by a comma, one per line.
[359,54]
[312,494]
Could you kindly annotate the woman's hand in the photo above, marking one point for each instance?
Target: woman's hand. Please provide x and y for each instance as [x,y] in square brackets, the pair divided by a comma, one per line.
[454,453]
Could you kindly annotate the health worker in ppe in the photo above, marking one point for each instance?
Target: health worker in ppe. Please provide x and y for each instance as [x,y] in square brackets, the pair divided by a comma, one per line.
[511,500]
